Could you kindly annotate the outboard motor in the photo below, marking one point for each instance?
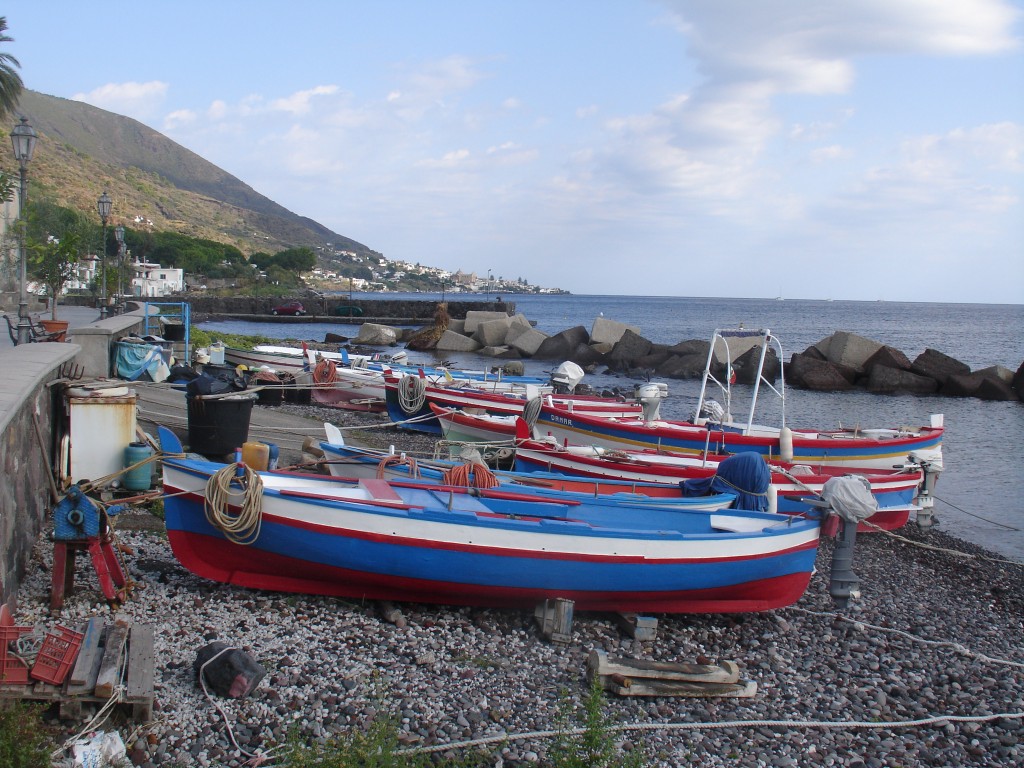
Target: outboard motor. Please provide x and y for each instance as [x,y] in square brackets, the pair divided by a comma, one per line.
[930,463]
[565,378]
[712,410]
[850,498]
[650,395]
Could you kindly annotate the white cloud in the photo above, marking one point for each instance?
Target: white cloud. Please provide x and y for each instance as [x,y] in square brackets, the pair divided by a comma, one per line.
[139,100]
[179,119]
[217,110]
[298,103]
[833,152]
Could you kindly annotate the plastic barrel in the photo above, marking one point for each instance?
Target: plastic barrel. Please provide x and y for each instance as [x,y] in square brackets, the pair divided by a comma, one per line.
[139,478]
[219,425]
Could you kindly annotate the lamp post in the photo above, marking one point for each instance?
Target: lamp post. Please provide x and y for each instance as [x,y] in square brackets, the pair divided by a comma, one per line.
[23,137]
[490,282]
[103,208]
[119,236]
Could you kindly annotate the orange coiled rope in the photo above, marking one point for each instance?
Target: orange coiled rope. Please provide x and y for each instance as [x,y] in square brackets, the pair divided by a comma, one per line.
[473,475]
[325,373]
[387,461]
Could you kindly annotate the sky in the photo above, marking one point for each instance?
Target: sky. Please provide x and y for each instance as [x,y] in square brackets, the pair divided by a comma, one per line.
[834,149]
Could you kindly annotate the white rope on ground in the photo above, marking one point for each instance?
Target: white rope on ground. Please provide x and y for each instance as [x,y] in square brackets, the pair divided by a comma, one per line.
[721,724]
[243,527]
[945,550]
[959,648]
[814,724]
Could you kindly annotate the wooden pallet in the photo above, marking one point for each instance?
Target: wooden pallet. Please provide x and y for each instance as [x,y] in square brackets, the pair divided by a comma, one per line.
[109,654]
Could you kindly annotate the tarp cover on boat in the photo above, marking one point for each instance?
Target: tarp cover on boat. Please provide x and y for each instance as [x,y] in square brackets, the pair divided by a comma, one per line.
[745,473]
[850,497]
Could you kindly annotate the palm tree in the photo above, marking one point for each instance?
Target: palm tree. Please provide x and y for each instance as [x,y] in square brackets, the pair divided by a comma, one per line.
[11,85]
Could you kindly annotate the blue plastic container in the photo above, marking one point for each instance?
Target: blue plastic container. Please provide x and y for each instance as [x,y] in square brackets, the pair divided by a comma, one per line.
[140,478]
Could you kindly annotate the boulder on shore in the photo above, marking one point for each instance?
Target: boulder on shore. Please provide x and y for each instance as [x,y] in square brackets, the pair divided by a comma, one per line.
[561,345]
[938,366]
[451,341]
[818,375]
[627,349]
[886,379]
[376,334]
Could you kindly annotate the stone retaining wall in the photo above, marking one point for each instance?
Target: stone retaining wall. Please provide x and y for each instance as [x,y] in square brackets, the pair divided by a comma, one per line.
[25,400]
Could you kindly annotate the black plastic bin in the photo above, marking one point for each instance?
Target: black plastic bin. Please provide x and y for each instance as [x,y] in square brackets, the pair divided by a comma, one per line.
[217,425]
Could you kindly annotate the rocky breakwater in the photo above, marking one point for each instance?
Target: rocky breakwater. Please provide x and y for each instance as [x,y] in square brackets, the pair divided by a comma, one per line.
[842,361]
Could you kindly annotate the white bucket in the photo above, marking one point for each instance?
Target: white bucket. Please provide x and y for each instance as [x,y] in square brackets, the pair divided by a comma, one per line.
[216,354]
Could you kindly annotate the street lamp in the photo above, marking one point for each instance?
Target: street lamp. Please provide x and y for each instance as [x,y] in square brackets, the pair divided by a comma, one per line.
[103,207]
[119,236]
[490,282]
[23,137]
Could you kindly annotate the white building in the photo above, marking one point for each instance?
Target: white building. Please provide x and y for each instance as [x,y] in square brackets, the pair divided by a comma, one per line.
[153,281]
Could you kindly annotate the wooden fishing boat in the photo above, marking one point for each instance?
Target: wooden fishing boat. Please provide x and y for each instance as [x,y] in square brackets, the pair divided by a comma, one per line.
[715,430]
[895,490]
[353,462]
[412,402]
[302,533]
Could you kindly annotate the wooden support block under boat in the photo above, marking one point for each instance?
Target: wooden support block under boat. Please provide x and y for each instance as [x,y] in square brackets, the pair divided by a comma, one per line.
[555,620]
[643,628]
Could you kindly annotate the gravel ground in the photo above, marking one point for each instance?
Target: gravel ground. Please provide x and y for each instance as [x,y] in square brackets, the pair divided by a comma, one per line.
[935,637]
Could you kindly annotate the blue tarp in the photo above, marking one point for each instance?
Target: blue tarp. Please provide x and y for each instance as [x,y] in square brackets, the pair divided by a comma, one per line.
[745,473]
[133,360]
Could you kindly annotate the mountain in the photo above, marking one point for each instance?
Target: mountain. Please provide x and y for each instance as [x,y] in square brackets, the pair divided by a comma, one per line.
[84,151]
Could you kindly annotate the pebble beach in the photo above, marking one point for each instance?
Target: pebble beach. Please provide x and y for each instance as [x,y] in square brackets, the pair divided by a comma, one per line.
[926,668]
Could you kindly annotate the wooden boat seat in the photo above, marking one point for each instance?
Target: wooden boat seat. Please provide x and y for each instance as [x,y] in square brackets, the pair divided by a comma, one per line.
[380,489]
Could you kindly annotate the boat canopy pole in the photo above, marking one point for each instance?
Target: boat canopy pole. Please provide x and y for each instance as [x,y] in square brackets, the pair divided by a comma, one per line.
[767,339]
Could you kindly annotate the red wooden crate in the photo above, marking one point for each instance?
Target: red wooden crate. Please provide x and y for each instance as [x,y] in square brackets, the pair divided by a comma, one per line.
[57,655]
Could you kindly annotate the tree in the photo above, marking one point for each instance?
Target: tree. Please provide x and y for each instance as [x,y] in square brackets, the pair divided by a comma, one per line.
[54,262]
[296,259]
[11,85]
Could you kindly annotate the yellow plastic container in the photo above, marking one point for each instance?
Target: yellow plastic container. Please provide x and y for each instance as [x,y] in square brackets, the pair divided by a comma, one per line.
[256,455]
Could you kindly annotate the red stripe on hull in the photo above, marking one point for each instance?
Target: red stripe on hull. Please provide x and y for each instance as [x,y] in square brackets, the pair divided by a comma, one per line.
[218,560]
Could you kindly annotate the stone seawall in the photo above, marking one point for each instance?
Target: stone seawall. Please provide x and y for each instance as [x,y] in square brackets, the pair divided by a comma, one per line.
[25,402]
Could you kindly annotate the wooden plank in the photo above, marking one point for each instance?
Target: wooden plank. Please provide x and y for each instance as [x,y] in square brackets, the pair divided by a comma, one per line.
[740,689]
[599,664]
[139,687]
[110,667]
[86,665]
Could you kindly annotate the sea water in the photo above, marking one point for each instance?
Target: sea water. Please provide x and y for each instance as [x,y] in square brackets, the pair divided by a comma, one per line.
[978,494]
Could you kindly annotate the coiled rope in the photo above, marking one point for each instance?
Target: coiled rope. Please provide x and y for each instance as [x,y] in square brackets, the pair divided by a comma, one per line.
[396,459]
[325,374]
[239,486]
[412,393]
[470,475]
[531,411]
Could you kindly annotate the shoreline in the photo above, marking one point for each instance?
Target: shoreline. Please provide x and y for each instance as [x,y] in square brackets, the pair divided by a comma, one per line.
[453,674]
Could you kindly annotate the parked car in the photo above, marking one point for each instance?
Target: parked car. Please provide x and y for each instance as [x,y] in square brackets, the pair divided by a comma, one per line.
[289,308]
